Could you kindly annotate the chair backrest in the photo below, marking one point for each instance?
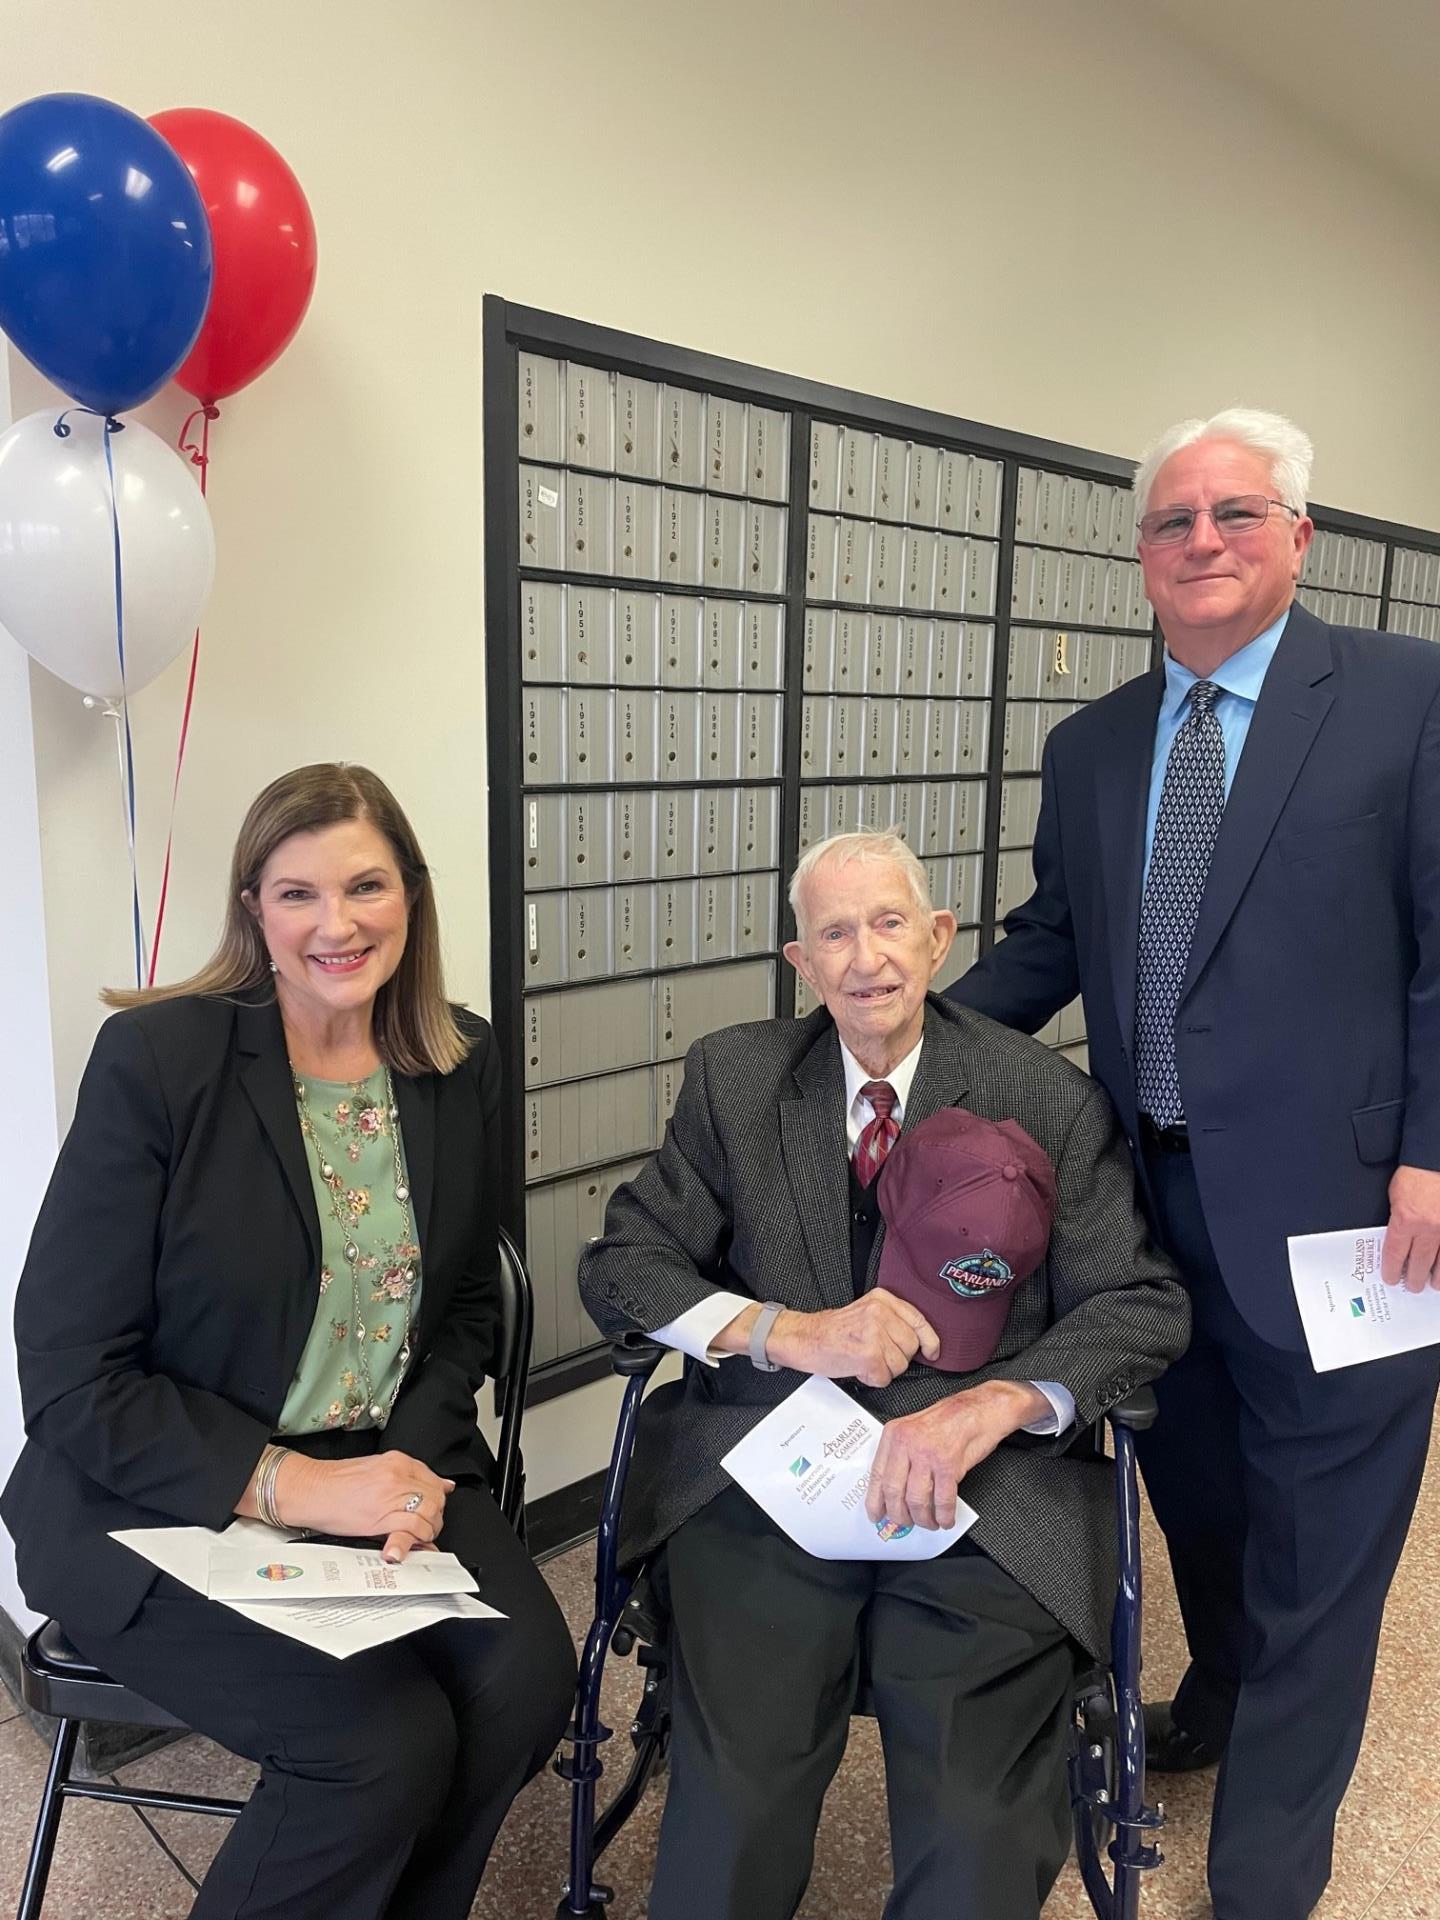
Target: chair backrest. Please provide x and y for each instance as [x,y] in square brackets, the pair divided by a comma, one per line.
[512,1376]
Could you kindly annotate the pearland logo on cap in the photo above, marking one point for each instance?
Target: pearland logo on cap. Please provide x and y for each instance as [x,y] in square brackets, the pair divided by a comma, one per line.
[977,1274]
[968,1204]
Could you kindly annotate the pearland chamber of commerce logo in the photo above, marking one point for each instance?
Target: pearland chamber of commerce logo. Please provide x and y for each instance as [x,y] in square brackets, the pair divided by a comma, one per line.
[799,1465]
[891,1530]
[1357,1307]
[276,1570]
[977,1274]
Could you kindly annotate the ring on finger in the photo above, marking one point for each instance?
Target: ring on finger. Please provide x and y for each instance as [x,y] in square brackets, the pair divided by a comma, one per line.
[412,1504]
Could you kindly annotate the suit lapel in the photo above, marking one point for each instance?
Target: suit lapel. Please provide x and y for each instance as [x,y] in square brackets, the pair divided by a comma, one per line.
[812,1144]
[1122,794]
[1292,705]
[416,1101]
[265,1075]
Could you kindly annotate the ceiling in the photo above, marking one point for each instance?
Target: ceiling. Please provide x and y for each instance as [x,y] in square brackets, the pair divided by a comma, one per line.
[1365,74]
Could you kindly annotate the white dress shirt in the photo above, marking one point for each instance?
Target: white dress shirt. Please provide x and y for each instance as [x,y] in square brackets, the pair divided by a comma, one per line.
[694,1331]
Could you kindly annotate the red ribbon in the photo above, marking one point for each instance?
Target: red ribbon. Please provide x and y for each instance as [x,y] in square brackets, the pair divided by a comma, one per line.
[199,457]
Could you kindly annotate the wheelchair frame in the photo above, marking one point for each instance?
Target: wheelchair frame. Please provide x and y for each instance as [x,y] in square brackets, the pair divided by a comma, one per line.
[1107,1751]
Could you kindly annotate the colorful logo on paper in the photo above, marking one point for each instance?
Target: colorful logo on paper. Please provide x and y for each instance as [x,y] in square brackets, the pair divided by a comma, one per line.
[1357,1307]
[799,1465]
[277,1570]
[891,1530]
[977,1274]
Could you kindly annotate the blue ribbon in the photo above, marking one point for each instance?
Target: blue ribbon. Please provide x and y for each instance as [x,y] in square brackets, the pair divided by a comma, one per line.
[114,426]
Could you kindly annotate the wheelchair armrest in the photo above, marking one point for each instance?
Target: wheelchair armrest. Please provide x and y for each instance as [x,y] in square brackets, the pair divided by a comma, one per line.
[1137,1410]
[634,1354]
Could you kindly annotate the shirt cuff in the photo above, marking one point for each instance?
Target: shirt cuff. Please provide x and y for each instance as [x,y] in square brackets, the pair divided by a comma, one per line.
[694,1330]
[1062,1407]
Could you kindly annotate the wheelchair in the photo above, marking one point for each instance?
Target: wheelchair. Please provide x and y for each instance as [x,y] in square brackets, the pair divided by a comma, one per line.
[1114,1827]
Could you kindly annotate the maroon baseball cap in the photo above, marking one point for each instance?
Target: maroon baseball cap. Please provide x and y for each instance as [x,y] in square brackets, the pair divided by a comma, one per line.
[968,1204]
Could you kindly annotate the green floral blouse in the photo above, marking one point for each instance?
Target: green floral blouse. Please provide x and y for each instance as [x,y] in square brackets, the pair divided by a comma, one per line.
[359,1324]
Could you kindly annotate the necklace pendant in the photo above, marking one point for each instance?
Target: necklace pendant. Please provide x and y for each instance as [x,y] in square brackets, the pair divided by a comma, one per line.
[394,1113]
[377,1413]
[352,1252]
[327,1172]
[359,1330]
[402,1193]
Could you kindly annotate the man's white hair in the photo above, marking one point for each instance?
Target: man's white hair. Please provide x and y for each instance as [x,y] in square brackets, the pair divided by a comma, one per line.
[1287,446]
[879,848]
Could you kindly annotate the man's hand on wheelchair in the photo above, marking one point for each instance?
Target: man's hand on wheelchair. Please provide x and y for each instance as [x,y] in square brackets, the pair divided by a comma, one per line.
[873,1340]
[923,1458]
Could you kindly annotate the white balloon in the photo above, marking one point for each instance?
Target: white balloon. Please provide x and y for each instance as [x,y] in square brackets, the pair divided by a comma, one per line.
[57,550]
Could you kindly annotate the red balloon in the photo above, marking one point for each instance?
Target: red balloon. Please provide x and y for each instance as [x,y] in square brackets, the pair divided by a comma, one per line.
[264,241]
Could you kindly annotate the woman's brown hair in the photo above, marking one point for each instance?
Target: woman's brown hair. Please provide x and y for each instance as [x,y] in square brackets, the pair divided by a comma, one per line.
[415,1026]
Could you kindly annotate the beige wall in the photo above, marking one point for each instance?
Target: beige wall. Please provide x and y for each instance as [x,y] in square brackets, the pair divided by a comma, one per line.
[1049,216]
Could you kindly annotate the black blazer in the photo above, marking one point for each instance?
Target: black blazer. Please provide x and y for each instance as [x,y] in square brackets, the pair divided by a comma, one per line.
[1308,1035]
[173,1278]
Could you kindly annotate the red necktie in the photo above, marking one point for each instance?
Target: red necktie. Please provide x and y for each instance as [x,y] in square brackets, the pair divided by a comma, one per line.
[881,1134]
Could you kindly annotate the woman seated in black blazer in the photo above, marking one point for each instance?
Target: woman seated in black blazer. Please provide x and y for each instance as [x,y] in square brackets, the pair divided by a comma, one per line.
[263,1282]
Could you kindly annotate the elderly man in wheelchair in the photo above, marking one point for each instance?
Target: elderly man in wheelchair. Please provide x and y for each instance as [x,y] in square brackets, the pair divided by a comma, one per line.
[899,1195]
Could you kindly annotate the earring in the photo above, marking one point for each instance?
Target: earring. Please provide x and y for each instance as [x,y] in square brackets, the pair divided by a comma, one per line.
[273,967]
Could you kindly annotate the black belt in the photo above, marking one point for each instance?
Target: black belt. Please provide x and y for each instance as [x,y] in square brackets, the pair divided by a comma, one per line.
[1164,1139]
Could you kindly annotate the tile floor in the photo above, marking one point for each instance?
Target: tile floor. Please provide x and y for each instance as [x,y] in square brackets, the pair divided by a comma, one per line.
[1387,1860]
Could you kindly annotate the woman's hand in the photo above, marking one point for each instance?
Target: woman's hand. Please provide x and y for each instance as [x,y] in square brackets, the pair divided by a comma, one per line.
[364,1499]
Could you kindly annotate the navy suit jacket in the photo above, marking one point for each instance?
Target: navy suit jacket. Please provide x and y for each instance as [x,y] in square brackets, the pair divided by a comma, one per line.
[1308,1034]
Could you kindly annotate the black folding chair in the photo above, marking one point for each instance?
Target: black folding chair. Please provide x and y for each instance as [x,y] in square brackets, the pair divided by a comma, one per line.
[1107,1752]
[57,1680]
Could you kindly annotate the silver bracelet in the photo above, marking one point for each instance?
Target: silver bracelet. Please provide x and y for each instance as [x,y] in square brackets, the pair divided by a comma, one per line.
[261,1501]
[270,1463]
[760,1333]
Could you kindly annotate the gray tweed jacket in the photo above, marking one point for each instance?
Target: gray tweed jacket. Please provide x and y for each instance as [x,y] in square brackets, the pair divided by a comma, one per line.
[749,1192]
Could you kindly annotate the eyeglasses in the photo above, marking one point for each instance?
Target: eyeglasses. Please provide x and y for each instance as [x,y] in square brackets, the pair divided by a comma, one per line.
[1244,514]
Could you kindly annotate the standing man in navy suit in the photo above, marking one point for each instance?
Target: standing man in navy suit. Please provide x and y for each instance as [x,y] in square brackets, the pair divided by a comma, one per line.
[1237,864]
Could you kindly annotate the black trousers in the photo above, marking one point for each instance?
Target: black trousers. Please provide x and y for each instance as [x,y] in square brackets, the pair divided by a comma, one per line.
[1285,1497]
[969,1677]
[385,1777]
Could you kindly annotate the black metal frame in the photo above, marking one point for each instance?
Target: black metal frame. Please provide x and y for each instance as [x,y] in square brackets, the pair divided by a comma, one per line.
[57,1681]
[1107,1758]
[508,329]
[44,1681]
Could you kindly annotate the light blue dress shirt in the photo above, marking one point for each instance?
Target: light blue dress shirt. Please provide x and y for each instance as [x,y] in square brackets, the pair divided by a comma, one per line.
[1240,679]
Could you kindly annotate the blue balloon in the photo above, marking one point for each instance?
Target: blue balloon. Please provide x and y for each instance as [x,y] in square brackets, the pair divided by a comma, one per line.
[105,258]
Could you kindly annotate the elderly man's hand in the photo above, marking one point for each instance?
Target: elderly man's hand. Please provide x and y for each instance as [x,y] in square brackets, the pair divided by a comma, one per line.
[873,1340]
[1412,1239]
[923,1458]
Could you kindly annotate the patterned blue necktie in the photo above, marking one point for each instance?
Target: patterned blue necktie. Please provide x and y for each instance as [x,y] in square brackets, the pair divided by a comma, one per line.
[1192,800]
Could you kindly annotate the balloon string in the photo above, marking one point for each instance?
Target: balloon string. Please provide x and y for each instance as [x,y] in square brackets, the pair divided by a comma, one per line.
[127,756]
[63,431]
[199,457]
